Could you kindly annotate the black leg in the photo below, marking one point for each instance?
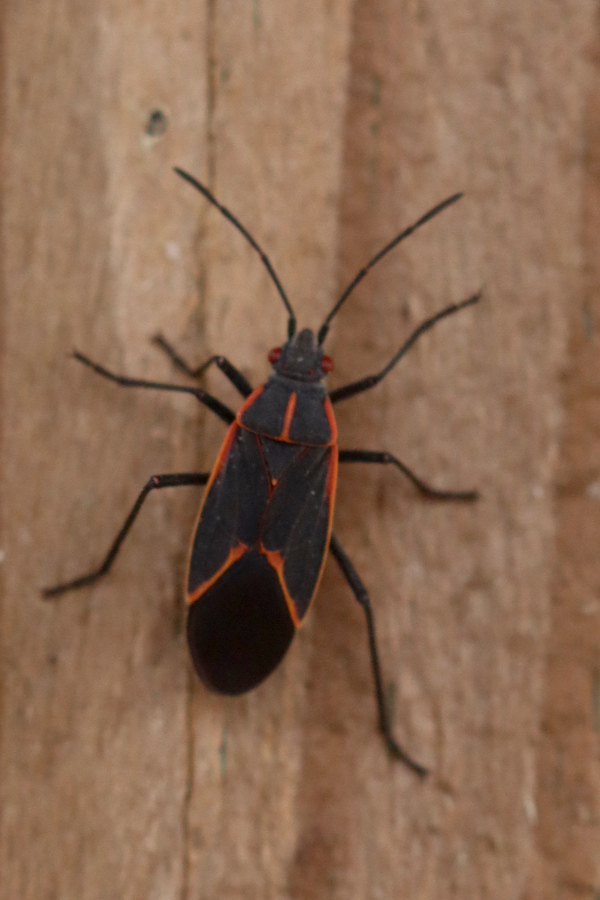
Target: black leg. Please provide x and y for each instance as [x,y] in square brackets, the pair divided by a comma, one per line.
[154,483]
[222,411]
[365,384]
[239,381]
[360,592]
[375,456]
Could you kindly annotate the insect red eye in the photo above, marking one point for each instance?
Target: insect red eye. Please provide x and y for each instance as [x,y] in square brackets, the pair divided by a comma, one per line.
[275,354]
[327,364]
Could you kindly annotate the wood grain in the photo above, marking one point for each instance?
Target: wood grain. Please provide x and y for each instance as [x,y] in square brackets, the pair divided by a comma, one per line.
[326,127]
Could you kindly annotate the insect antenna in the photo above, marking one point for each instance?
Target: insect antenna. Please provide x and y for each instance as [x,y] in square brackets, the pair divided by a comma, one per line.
[267,263]
[324,329]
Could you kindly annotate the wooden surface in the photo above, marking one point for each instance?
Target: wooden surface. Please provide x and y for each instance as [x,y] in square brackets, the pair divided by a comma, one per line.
[326,127]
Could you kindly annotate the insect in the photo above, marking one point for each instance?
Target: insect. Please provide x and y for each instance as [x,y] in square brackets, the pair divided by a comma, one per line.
[264,527]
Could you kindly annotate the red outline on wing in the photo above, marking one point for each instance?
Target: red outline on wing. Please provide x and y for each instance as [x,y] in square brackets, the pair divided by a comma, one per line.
[277,561]
[219,462]
[274,557]
[234,554]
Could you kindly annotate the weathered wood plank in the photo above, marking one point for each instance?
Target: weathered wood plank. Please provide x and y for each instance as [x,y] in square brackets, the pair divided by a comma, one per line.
[97,248]
[326,127]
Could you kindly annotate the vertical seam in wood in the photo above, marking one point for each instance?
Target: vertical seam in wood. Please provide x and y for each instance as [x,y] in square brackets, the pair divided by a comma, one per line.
[189,784]
[3,663]
[211,56]
[210,138]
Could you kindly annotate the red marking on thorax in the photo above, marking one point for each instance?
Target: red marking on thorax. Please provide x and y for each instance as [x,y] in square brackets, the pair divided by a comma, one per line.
[289,415]
[327,405]
[248,403]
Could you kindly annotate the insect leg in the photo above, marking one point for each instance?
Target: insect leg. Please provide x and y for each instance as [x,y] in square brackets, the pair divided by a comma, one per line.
[154,483]
[360,592]
[239,381]
[222,411]
[376,456]
[365,384]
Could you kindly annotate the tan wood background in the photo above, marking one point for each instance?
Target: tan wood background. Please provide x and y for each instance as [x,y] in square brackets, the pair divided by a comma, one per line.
[326,126]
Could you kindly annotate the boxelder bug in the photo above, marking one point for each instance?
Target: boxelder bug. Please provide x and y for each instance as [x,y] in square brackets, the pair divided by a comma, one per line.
[264,526]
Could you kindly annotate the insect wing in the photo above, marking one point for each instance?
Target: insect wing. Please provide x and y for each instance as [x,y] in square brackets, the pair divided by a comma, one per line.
[297,525]
[230,515]
[239,626]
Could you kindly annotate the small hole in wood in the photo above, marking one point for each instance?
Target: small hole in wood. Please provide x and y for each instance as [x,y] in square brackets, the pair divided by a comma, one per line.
[157,123]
